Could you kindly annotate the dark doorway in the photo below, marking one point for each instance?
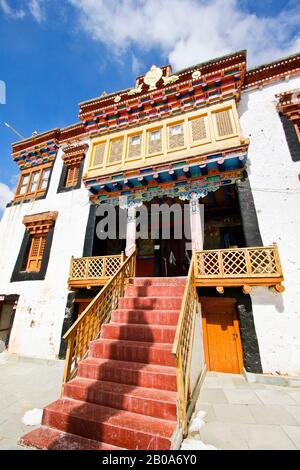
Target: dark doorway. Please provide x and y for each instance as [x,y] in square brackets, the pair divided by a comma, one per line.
[164,253]
[7,313]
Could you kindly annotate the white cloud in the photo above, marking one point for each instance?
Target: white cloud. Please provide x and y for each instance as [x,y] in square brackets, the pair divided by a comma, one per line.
[9,11]
[136,65]
[34,8]
[6,194]
[190,31]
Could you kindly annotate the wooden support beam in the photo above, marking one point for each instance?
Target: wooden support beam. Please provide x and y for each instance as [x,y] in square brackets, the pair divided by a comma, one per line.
[128,184]
[117,186]
[203,169]
[247,289]
[142,181]
[173,175]
[156,177]
[186,171]
[279,288]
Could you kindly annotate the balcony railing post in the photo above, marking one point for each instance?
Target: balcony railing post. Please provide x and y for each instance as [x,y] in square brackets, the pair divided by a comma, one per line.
[220,259]
[277,259]
[104,267]
[86,271]
[248,262]
[71,267]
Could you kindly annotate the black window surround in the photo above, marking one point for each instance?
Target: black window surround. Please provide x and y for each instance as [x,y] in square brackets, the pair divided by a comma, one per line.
[291,137]
[62,181]
[19,274]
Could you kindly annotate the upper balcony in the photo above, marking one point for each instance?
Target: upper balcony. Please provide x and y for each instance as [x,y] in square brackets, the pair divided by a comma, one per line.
[233,267]
[210,131]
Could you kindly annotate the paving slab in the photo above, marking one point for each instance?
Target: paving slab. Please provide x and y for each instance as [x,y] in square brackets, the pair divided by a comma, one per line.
[212,395]
[266,437]
[276,397]
[255,416]
[294,434]
[223,436]
[295,394]
[24,385]
[294,410]
[272,414]
[242,397]
[233,414]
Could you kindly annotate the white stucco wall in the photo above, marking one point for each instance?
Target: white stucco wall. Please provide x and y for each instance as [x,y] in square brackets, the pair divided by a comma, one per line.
[276,190]
[197,364]
[40,311]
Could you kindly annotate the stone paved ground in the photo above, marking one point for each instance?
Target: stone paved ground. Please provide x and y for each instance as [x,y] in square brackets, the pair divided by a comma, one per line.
[241,415]
[24,385]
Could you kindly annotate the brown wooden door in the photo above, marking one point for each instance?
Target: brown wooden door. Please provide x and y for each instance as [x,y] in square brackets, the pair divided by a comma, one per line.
[221,335]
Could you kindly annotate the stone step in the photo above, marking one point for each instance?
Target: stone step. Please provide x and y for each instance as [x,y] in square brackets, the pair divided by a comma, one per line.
[144,333]
[136,351]
[158,281]
[131,373]
[52,439]
[149,317]
[144,401]
[151,303]
[114,427]
[154,291]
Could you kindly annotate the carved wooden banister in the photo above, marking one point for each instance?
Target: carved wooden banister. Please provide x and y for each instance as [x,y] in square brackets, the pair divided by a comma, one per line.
[183,345]
[88,325]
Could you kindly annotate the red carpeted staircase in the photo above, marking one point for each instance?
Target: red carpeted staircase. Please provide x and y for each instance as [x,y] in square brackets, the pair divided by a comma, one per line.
[124,395]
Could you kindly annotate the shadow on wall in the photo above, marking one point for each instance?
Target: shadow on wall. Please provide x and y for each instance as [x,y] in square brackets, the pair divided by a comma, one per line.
[264,296]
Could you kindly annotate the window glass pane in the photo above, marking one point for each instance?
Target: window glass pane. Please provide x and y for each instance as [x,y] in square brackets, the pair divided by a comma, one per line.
[135,146]
[135,140]
[45,179]
[175,130]
[176,137]
[34,181]
[155,135]
[24,183]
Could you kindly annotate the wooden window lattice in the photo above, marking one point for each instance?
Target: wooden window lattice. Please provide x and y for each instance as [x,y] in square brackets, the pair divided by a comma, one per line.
[116,150]
[35,256]
[134,149]
[99,154]
[72,175]
[198,129]
[224,124]
[176,139]
[154,145]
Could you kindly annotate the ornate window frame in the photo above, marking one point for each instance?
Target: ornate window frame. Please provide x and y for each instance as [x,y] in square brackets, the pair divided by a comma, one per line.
[73,162]
[37,226]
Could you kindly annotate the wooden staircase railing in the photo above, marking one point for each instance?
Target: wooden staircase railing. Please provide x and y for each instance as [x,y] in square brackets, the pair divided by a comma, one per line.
[88,326]
[183,345]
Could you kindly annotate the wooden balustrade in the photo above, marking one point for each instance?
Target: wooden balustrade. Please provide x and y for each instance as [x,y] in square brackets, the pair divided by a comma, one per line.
[183,345]
[93,270]
[246,267]
[88,326]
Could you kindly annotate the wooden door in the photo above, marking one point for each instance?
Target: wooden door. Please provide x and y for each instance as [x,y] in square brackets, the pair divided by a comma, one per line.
[221,335]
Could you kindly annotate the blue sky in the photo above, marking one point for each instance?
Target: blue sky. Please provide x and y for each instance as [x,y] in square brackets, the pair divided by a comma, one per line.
[56,53]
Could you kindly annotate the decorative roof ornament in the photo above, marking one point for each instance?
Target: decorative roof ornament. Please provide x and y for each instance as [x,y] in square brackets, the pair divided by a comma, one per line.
[171,79]
[152,77]
[136,90]
[117,99]
[196,75]
[103,94]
